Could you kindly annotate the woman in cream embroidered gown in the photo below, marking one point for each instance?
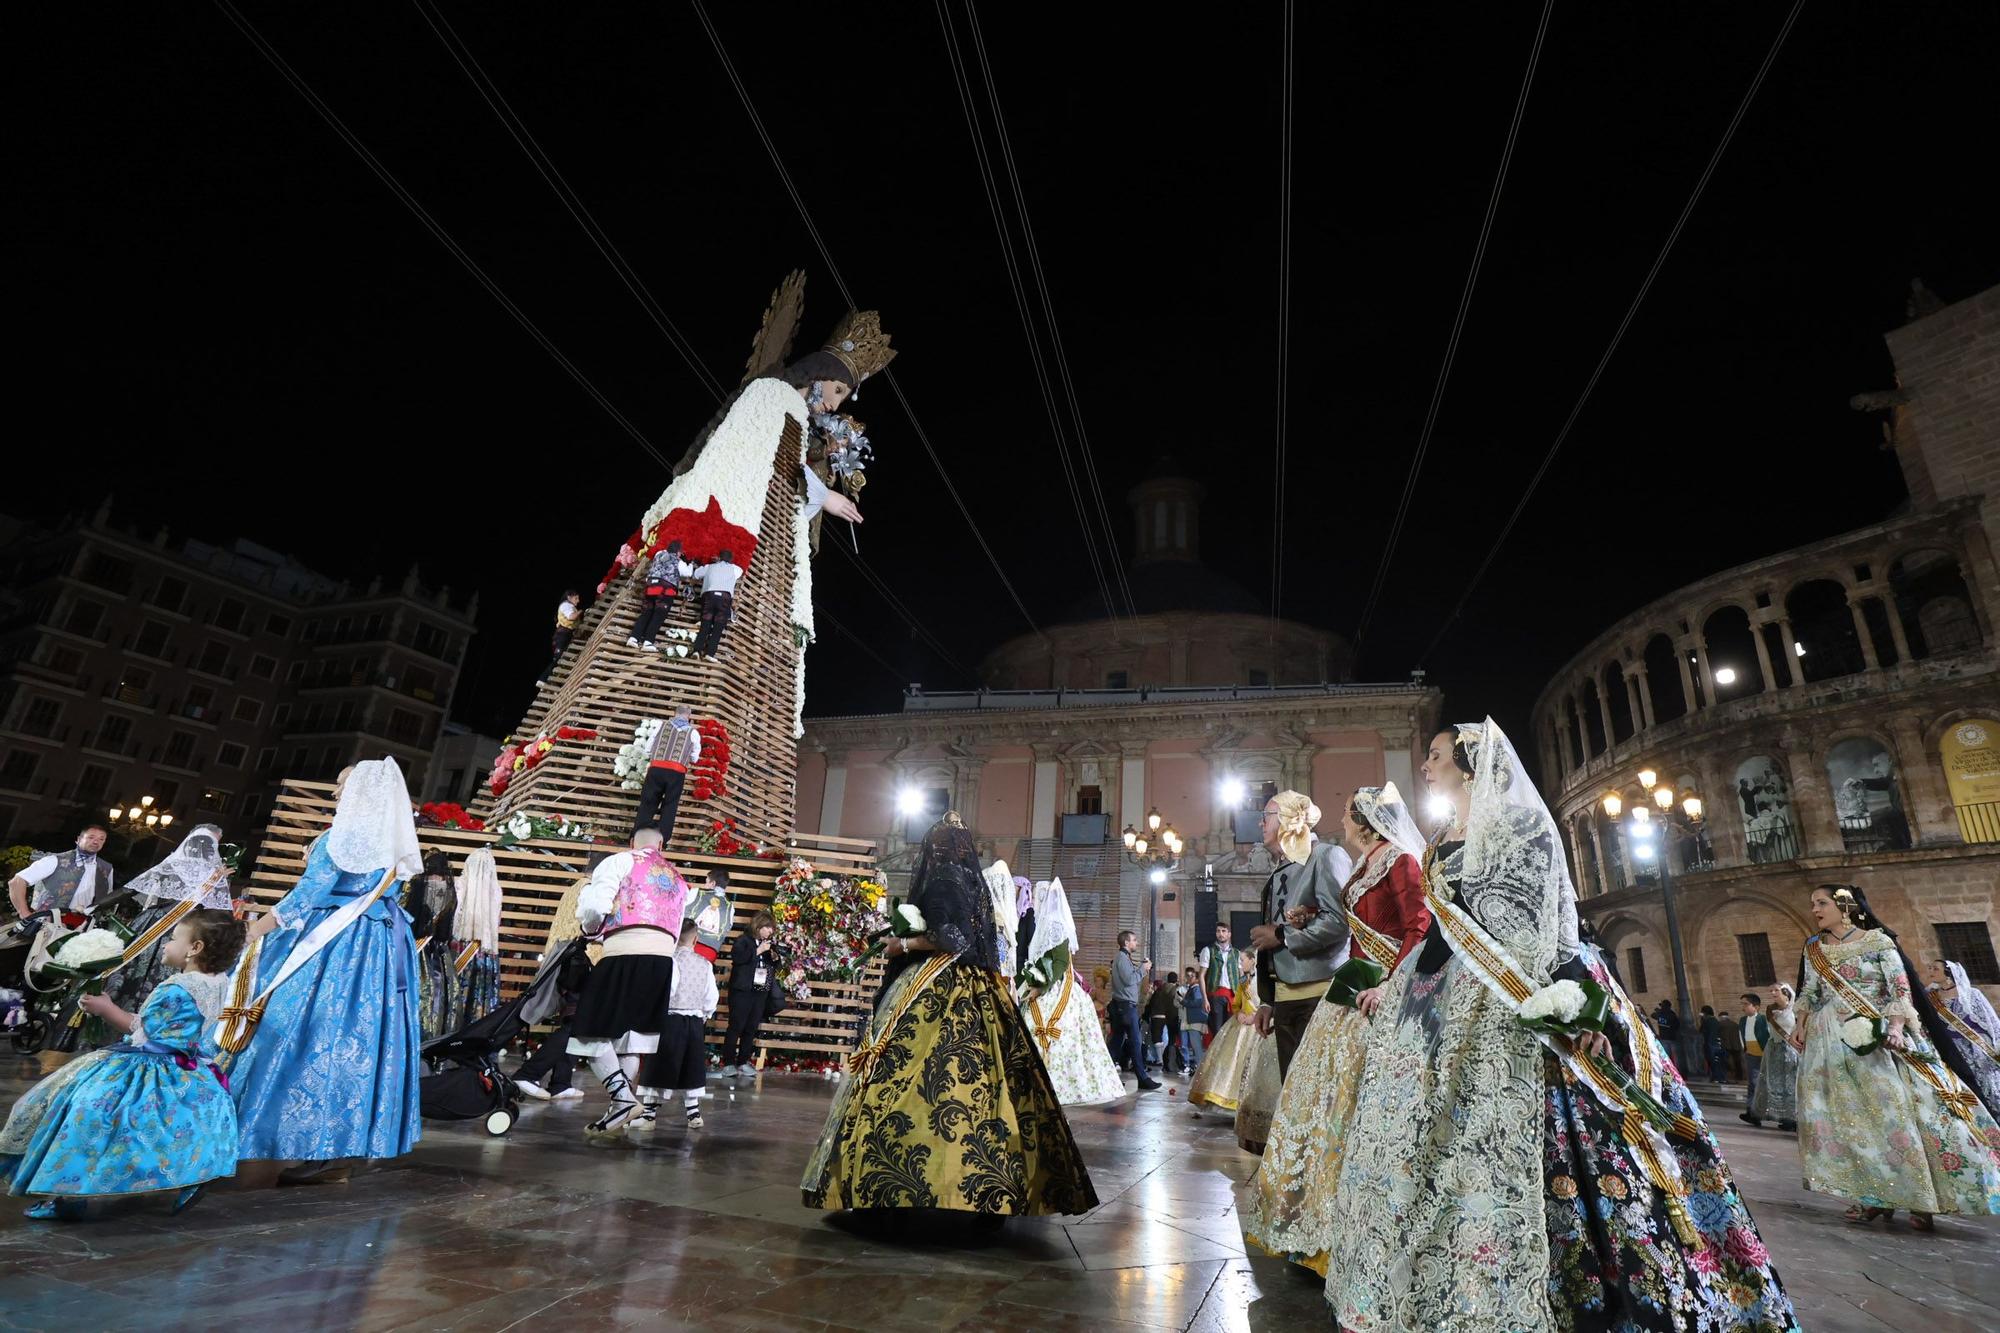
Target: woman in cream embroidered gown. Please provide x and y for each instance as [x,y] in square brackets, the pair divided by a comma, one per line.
[1777,1096]
[1877,1129]
[1288,1203]
[1227,1062]
[1059,1014]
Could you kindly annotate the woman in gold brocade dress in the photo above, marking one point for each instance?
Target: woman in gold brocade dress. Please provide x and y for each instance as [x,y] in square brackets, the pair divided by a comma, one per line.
[948,1105]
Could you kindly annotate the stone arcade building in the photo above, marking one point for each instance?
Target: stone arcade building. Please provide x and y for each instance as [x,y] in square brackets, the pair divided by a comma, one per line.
[1088,728]
[1836,706]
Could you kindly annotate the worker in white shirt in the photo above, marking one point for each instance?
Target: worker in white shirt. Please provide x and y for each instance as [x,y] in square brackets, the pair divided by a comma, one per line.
[718,600]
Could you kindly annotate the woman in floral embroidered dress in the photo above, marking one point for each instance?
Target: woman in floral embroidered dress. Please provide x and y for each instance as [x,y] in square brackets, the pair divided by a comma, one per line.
[1485,1186]
[1288,1204]
[1891,1125]
[949,1105]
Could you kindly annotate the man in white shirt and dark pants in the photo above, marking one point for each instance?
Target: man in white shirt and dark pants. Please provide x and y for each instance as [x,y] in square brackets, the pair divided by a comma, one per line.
[718,601]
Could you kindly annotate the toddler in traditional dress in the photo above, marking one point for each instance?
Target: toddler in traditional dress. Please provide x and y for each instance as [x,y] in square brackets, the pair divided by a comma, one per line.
[147,1113]
[681,1063]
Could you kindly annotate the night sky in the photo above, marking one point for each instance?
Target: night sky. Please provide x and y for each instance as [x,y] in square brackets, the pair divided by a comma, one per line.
[232,326]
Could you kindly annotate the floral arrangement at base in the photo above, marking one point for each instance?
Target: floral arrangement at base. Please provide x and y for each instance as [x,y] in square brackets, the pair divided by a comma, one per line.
[514,759]
[635,755]
[712,767]
[524,826]
[825,923]
[448,814]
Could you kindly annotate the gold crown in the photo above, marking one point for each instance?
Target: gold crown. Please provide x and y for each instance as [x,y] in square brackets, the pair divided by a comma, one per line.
[860,344]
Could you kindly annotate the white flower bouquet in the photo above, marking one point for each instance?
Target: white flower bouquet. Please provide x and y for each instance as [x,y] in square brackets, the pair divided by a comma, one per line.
[1560,1000]
[634,758]
[1862,1035]
[82,950]
[904,923]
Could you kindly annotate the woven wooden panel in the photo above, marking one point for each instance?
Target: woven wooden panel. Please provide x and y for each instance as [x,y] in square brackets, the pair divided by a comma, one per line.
[534,876]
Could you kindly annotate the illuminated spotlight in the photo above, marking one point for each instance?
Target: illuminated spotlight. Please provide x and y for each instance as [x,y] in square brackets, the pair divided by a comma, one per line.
[1643,850]
[1439,807]
[1158,877]
[1798,650]
[1725,675]
[1233,792]
[909,801]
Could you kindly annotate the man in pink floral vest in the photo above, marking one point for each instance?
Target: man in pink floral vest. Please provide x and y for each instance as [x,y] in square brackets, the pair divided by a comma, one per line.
[634,903]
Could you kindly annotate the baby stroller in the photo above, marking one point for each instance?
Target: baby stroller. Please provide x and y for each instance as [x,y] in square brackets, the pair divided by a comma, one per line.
[469,1083]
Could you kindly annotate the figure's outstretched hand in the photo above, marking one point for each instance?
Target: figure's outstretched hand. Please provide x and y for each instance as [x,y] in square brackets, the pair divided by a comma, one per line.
[841,507]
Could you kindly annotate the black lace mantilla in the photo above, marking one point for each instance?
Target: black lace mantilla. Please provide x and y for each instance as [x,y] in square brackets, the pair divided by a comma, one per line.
[948,889]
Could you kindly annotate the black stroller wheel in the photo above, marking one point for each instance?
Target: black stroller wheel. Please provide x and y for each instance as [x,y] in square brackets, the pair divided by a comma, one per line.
[32,1035]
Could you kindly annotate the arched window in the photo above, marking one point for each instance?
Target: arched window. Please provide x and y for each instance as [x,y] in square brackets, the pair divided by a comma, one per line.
[1933,604]
[1824,628]
[1588,871]
[1763,801]
[1732,654]
[1623,724]
[1663,679]
[1696,851]
[1867,798]
[1592,718]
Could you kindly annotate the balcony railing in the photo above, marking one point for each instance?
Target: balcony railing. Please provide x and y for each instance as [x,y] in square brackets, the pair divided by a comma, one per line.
[1979,823]
[1778,842]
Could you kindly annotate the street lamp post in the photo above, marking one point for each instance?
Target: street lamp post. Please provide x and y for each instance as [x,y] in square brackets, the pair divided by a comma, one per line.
[1156,848]
[1641,830]
[141,821]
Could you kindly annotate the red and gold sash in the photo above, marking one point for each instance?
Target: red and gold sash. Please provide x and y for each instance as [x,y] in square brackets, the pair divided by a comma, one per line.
[1957,1098]
[465,959]
[1045,1030]
[1967,1031]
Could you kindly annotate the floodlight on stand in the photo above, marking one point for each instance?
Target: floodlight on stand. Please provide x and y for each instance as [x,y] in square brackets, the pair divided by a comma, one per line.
[1233,792]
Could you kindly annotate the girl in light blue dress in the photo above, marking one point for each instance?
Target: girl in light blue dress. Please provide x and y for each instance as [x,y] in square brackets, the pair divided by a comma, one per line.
[323,1014]
[147,1113]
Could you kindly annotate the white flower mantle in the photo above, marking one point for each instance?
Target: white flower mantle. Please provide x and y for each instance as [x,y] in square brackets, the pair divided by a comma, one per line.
[735,468]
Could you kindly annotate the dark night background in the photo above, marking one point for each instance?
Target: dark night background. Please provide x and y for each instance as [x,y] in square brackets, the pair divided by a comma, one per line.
[228,323]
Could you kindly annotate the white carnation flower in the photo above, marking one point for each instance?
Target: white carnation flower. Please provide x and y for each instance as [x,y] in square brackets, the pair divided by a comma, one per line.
[1561,1001]
[911,919]
[91,946]
[1859,1033]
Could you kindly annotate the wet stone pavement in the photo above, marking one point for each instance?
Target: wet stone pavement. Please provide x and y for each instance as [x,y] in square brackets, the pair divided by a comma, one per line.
[704,1230]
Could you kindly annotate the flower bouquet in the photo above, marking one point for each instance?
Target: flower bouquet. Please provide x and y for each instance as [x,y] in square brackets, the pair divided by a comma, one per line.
[1567,1009]
[82,962]
[447,814]
[719,838]
[1863,1035]
[1353,977]
[524,826]
[708,780]
[824,923]
[636,756]
[906,922]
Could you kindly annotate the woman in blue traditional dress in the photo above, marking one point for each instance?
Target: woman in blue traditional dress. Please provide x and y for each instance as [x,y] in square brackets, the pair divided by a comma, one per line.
[149,1113]
[322,1016]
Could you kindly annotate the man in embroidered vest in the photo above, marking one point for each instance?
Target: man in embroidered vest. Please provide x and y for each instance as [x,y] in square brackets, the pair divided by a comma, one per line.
[1304,935]
[635,902]
[65,884]
[1222,975]
[663,584]
[675,751]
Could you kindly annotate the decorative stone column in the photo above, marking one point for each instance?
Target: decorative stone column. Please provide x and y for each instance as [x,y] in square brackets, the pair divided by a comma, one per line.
[1764,657]
[1896,634]
[1868,658]
[1645,692]
[1597,847]
[1921,783]
[1604,712]
[1642,716]
[1687,679]
[1812,804]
